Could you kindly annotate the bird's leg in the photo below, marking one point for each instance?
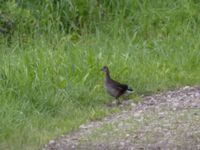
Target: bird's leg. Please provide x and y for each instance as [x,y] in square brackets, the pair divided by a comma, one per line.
[118,101]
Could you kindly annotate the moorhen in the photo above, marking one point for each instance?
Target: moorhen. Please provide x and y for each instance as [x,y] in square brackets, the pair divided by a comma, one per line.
[113,87]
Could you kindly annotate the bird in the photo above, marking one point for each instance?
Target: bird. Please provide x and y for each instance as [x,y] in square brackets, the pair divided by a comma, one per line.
[114,88]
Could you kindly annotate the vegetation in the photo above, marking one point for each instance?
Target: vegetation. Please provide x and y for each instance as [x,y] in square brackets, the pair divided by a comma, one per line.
[51,53]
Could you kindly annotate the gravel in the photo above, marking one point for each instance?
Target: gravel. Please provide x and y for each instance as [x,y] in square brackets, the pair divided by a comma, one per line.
[169,120]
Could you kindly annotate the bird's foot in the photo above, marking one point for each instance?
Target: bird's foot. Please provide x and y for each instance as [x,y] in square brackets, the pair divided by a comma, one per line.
[118,102]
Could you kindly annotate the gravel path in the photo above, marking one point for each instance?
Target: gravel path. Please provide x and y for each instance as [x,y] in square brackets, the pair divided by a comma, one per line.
[169,120]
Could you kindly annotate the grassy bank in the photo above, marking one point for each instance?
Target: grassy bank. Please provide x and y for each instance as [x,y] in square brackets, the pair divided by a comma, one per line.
[50,83]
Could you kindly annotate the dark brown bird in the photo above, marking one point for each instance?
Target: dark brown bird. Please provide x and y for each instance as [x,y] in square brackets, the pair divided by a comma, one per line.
[113,87]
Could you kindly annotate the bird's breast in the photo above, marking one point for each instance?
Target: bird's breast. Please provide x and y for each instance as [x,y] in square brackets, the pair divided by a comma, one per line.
[112,91]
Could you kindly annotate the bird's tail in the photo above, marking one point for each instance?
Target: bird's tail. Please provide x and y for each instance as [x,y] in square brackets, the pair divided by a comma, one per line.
[129,90]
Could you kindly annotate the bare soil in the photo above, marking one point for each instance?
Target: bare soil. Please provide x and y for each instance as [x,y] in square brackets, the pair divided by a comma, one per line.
[169,120]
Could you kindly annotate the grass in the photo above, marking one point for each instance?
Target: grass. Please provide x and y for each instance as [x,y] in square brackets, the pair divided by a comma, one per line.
[51,83]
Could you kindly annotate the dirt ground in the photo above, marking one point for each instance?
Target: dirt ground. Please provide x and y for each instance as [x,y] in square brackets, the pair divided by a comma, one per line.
[169,120]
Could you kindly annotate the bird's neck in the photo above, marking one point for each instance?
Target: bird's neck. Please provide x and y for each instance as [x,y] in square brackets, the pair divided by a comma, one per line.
[107,76]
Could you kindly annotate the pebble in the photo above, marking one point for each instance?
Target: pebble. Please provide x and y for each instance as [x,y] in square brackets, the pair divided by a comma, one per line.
[187,97]
[186,87]
[122,143]
[52,142]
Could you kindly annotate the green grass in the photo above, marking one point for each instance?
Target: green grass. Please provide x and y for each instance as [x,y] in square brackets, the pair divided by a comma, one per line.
[50,83]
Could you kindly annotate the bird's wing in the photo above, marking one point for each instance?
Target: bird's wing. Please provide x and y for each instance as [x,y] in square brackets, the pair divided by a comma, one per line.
[119,86]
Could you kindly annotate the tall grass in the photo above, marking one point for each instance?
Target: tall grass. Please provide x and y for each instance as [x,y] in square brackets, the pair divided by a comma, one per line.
[50,81]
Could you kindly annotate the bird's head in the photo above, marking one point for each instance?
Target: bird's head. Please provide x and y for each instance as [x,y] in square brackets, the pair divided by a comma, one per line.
[105,69]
